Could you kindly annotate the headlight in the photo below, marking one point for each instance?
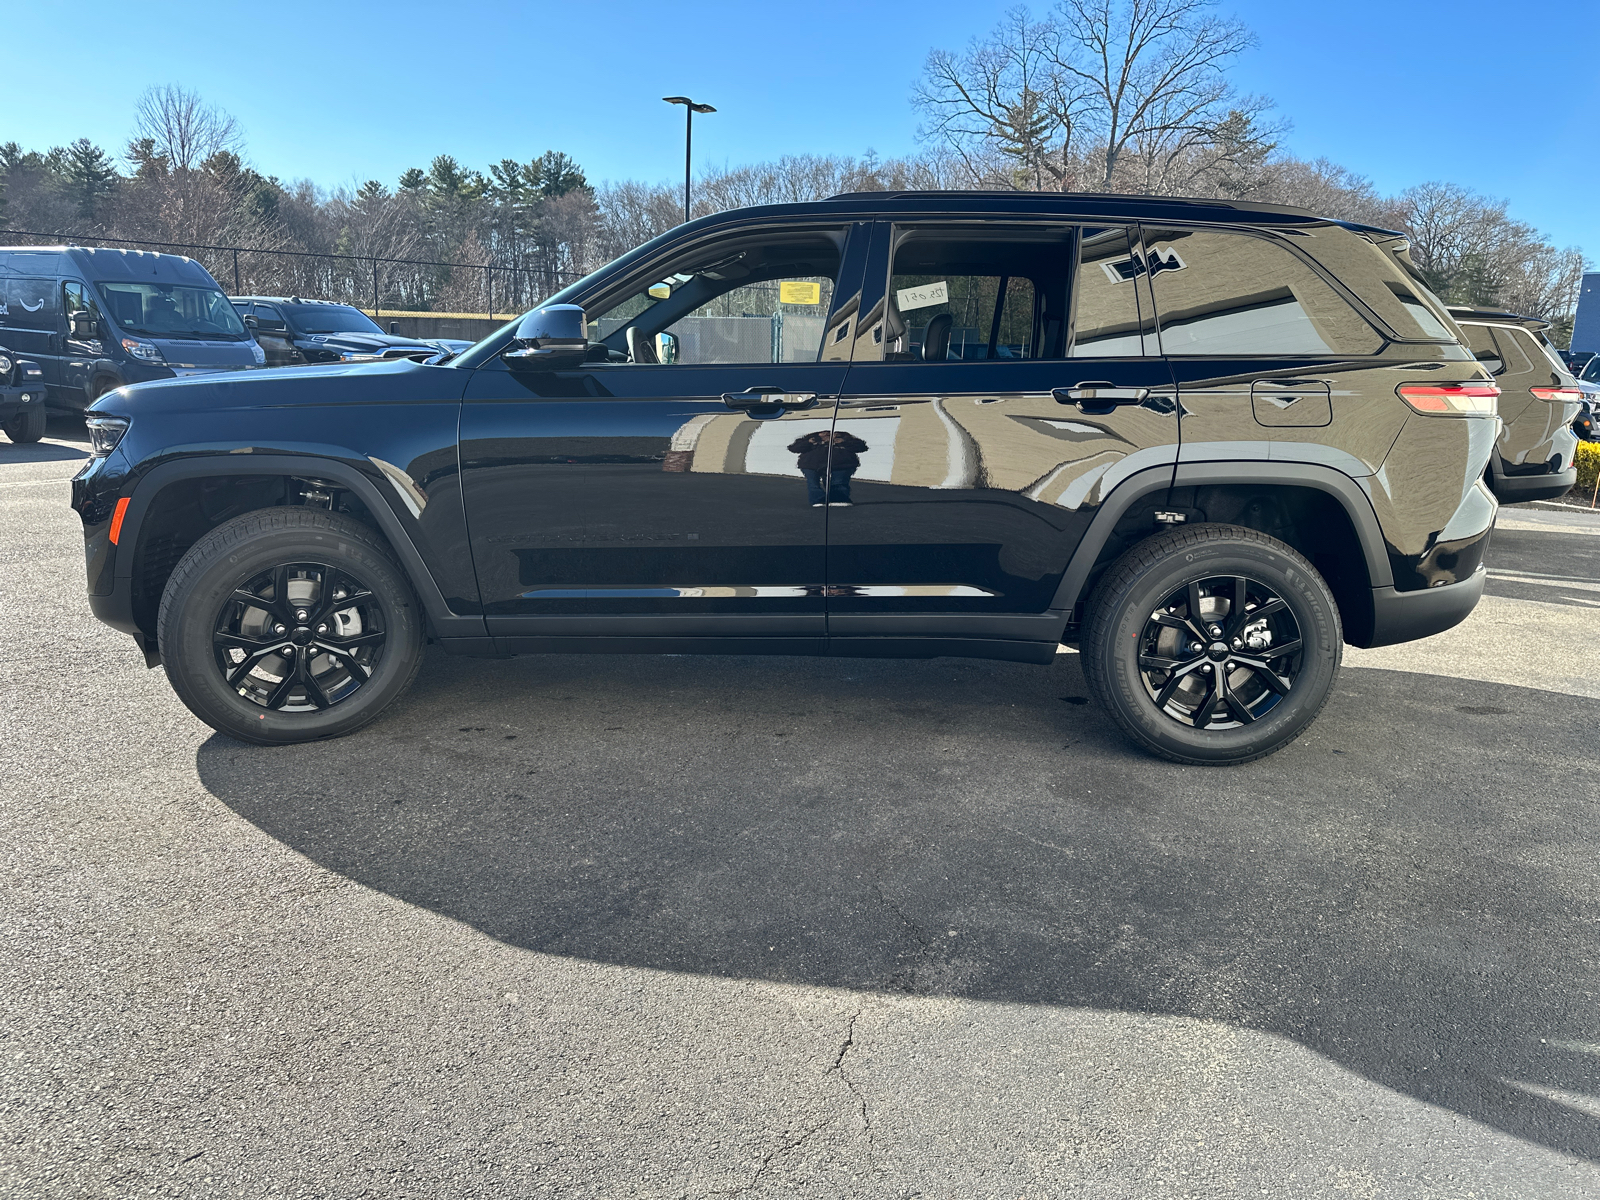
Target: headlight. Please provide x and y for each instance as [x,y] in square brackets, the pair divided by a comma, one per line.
[261,355]
[148,351]
[5,365]
[105,433]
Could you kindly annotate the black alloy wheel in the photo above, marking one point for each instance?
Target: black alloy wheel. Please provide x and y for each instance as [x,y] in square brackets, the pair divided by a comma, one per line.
[1212,644]
[289,625]
[1221,652]
[299,637]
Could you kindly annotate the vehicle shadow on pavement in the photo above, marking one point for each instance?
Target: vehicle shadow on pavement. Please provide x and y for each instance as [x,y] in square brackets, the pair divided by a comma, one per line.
[1408,890]
[39,452]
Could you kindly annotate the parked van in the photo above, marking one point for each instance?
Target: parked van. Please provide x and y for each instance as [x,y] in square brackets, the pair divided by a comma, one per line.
[97,318]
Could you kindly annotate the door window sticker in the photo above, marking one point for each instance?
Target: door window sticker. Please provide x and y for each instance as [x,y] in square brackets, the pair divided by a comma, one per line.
[925,296]
[799,291]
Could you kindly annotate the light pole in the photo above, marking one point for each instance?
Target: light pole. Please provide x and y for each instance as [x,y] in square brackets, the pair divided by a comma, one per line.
[690,108]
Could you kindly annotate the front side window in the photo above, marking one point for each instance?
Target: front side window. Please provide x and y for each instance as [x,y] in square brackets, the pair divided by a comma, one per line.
[76,298]
[1223,293]
[270,319]
[170,310]
[745,301]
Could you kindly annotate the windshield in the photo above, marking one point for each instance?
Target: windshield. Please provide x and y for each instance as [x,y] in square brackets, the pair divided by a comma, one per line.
[1591,373]
[329,318]
[171,310]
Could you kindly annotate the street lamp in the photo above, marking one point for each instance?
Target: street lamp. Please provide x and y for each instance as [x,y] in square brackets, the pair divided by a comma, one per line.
[690,108]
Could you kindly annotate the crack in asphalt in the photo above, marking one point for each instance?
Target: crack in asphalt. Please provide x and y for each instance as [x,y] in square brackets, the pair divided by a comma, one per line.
[924,945]
[861,1107]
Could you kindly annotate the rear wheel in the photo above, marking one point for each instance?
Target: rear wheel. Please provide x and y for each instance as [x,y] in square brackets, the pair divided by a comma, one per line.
[26,426]
[1212,644]
[289,625]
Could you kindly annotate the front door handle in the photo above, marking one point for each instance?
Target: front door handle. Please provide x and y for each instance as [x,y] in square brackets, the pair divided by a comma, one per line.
[768,397]
[1098,397]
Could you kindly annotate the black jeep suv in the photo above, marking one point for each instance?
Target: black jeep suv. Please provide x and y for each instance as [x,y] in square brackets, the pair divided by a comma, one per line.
[1209,443]
[1541,404]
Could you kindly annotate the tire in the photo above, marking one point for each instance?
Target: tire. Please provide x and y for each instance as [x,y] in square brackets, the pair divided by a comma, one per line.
[1222,705]
[26,426]
[239,584]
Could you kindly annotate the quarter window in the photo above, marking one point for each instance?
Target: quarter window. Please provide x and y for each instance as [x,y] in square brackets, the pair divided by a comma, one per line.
[1224,293]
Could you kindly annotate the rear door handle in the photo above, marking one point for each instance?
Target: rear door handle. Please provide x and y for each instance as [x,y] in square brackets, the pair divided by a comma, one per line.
[1099,397]
[768,397]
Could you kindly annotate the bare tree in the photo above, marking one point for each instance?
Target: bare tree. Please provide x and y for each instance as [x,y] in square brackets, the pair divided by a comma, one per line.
[1472,252]
[1154,70]
[1006,95]
[184,129]
[1126,95]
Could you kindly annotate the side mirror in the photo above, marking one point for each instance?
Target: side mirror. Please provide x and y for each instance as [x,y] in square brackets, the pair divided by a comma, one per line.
[84,326]
[549,339]
[667,347]
[250,322]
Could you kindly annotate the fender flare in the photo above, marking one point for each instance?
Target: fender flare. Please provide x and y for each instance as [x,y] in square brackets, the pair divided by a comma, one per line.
[445,622]
[1351,496]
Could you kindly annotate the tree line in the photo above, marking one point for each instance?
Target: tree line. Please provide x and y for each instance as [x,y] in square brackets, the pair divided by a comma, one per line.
[1125,96]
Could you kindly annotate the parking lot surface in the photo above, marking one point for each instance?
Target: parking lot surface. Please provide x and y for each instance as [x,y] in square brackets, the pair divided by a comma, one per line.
[682,927]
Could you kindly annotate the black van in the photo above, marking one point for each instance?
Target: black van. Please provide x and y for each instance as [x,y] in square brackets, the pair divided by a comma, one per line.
[95,319]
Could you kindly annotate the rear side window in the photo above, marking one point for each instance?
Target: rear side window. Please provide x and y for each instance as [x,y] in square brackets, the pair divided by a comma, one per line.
[1480,340]
[1225,293]
[976,294]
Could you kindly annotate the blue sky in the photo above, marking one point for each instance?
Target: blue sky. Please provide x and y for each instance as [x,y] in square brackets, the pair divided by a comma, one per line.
[1503,98]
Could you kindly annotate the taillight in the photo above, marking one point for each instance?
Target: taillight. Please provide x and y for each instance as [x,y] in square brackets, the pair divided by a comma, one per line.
[1560,395]
[1451,399]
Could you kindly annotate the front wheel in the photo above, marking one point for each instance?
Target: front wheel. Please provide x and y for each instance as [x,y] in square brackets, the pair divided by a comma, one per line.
[26,426]
[289,625]
[1213,644]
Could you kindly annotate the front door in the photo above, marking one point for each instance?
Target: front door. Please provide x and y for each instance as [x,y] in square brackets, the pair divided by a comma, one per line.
[657,492]
[1014,390]
[77,365]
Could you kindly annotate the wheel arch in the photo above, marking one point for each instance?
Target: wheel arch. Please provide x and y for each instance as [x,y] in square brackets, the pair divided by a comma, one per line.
[170,488]
[1321,512]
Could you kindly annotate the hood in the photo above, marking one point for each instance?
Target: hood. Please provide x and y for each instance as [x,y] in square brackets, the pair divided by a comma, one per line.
[279,388]
[207,354]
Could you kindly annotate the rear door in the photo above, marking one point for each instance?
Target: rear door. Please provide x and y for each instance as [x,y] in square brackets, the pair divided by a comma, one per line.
[1011,389]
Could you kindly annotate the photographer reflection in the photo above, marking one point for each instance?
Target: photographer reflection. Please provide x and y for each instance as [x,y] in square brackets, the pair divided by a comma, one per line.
[828,460]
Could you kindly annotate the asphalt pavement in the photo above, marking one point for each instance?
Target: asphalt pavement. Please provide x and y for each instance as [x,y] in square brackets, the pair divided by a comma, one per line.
[683,927]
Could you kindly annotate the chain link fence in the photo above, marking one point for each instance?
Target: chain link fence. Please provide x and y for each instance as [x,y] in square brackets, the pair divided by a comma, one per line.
[373,282]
